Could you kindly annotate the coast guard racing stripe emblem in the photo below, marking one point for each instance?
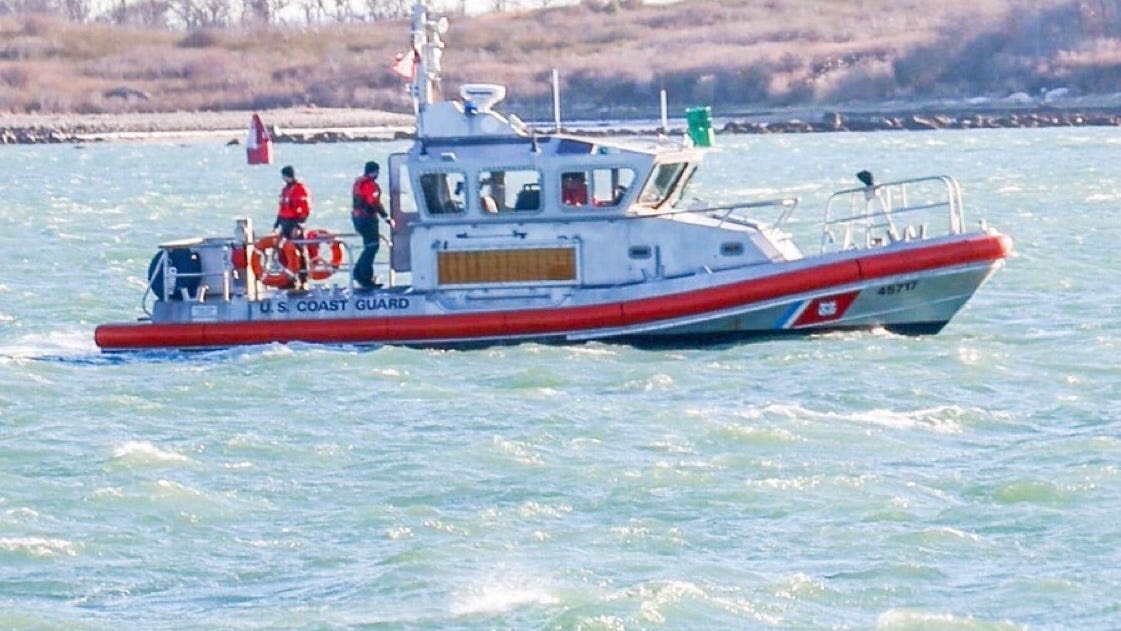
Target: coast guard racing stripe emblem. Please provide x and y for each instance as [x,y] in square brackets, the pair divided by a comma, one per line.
[820,310]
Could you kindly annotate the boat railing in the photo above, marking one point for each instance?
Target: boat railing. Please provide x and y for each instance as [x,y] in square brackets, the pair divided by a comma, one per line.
[219,278]
[345,239]
[209,251]
[904,210]
[743,214]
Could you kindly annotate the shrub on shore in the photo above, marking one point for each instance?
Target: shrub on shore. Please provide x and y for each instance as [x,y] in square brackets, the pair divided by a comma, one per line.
[612,55]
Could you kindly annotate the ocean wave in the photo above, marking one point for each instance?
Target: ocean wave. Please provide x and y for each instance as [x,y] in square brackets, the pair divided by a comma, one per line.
[520,451]
[141,452]
[38,546]
[905,620]
[499,597]
[19,516]
[943,535]
[944,419]
[1102,197]
[54,344]
[655,599]
[799,587]
[529,510]
[1033,492]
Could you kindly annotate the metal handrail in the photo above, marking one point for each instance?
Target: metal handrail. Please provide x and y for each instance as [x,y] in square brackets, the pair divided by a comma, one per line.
[171,274]
[785,204]
[873,208]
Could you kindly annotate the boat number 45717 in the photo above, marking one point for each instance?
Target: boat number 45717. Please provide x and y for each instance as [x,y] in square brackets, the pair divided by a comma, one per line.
[897,288]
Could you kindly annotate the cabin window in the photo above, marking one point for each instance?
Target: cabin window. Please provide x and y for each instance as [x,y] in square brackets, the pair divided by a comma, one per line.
[600,188]
[509,191]
[661,184]
[444,193]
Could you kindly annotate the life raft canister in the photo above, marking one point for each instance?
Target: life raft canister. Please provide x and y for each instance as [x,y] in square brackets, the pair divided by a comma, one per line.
[188,268]
[321,267]
[275,261]
[258,146]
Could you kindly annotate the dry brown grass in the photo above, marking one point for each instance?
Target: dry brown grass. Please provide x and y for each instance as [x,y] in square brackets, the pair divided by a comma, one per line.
[730,53]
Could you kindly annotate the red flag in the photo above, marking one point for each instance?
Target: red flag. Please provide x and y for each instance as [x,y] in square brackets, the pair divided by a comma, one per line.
[404,65]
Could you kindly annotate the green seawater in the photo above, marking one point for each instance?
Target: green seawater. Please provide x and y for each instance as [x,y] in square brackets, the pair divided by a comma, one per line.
[964,481]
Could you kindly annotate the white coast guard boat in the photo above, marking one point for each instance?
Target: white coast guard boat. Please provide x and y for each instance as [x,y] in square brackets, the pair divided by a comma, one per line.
[506,235]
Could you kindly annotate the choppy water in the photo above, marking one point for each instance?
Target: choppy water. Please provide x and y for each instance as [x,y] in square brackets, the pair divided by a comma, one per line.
[965,481]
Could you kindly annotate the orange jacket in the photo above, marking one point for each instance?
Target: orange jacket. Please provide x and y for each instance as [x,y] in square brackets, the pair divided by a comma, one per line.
[295,202]
[367,197]
[574,192]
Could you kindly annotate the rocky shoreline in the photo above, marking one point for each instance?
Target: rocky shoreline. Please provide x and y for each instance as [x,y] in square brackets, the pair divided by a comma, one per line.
[835,121]
[330,127]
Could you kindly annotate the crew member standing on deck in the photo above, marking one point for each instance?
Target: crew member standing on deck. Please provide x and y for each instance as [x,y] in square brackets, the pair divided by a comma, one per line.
[295,205]
[367,209]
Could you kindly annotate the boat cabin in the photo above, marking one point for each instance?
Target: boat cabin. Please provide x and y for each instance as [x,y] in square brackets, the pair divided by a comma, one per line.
[481,200]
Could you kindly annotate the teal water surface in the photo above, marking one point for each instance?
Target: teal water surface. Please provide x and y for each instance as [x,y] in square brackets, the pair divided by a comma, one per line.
[968,480]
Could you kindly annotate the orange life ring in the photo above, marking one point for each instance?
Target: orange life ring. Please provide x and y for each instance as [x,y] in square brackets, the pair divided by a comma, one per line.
[320,267]
[275,261]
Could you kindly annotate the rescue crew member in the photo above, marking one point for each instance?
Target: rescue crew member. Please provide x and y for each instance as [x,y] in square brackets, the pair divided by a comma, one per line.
[367,208]
[295,205]
[574,189]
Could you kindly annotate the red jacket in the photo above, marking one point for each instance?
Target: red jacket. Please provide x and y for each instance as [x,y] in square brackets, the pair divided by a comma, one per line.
[574,192]
[367,197]
[295,202]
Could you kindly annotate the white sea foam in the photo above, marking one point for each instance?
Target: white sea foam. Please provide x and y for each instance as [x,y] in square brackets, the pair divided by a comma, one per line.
[940,419]
[799,586]
[591,350]
[787,484]
[142,452]
[109,491]
[530,510]
[64,343]
[494,597]
[905,620]
[443,526]
[1102,197]
[601,623]
[20,515]
[656,598]
[521,452]
[172,488]
[38,546]
[399,532]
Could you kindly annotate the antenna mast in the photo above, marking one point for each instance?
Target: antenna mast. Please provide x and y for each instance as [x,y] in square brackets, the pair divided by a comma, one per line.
[428,49]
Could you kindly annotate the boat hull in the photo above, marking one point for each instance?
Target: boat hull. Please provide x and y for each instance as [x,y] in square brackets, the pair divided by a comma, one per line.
[915,288]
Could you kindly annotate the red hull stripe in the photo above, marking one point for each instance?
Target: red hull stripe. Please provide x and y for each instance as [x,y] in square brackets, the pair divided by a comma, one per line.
[472,326]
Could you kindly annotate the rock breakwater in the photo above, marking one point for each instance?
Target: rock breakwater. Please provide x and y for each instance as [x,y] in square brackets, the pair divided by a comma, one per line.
[829,122]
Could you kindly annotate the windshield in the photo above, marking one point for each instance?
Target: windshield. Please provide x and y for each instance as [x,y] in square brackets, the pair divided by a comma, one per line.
[661,183]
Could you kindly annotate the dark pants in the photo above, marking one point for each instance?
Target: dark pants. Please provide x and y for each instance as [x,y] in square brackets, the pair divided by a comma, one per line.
[367,226]
[289,228]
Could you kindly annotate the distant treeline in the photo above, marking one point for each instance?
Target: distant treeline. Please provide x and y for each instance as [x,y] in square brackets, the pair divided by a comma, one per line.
[194,14]
[614,55]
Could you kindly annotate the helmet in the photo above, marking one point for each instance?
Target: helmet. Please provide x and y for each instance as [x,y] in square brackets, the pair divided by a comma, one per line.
[371,168]
[288,171]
